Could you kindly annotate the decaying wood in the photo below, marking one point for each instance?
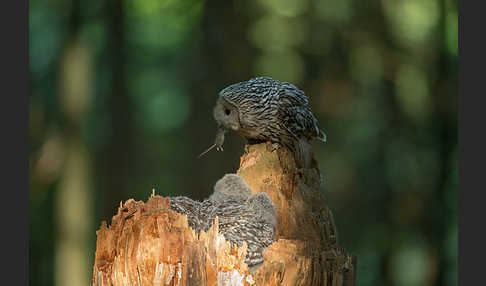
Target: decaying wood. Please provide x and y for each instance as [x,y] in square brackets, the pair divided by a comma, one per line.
[149,244]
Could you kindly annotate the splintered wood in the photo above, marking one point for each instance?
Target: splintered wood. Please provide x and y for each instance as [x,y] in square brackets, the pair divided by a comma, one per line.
[149,244]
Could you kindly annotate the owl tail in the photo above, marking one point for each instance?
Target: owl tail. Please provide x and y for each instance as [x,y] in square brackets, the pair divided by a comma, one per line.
[303,154]
[321,135]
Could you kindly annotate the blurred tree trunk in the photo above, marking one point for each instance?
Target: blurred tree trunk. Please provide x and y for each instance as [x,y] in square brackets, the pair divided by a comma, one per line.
[211,68]
[149,244]
[118,158]
[74,196]
[444,97]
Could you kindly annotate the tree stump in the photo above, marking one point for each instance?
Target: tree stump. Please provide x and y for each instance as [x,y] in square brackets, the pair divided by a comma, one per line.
[149,244]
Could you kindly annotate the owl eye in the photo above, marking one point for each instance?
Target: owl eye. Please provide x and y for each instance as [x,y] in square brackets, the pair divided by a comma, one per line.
[227,111]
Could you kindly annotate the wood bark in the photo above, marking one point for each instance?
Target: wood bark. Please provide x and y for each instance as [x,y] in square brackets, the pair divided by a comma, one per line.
[149,244]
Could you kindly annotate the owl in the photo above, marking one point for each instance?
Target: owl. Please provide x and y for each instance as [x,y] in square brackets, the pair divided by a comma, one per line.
[243,217]
[264,109]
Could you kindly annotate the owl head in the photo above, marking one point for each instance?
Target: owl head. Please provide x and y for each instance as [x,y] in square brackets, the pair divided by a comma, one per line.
[226,115]
[231,186]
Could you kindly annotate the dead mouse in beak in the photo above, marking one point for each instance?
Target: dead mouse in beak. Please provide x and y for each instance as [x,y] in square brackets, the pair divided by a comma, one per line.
[218,141]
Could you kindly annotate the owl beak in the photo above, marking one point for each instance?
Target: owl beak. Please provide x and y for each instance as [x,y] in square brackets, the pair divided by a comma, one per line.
[219,124]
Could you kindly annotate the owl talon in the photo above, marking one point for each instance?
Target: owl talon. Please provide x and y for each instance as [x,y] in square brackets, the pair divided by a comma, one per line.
[275,147]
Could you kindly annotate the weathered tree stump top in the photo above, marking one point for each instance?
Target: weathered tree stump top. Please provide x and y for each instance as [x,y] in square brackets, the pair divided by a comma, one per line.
[301,208]
[149,244]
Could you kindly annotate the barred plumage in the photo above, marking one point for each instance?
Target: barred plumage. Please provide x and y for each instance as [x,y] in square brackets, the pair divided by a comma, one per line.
[243,217]
[264,109]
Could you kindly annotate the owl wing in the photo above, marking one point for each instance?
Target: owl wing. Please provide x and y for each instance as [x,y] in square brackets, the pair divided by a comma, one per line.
[299,121]
[296,114]
[294,95]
